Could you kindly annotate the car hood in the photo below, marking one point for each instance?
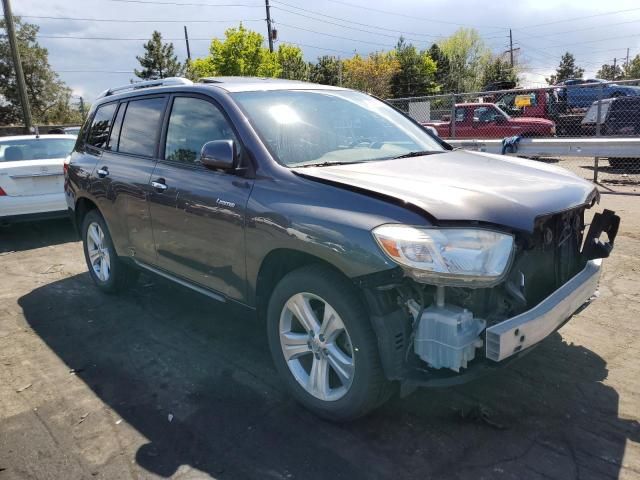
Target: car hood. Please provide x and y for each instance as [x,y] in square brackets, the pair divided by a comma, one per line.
[465,186]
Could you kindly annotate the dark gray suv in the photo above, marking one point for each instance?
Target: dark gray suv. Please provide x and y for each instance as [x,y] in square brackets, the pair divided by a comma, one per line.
[378,257]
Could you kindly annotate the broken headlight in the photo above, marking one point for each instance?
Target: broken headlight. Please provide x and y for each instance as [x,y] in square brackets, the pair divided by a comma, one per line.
[471,257]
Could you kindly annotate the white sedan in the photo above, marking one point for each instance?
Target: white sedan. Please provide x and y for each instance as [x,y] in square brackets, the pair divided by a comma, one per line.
[32,176]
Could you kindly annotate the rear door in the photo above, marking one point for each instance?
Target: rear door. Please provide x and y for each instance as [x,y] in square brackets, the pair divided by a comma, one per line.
[33,166]
[198,215]
[122,172]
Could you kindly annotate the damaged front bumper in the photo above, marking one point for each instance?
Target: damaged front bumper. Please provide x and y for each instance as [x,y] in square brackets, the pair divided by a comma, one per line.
[442,355]
[522,331]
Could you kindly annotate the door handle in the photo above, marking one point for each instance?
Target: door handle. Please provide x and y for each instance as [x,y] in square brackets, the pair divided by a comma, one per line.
[159,186]
[103,172]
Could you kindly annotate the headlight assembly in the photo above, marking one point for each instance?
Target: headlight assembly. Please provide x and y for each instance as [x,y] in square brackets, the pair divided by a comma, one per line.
[471,257]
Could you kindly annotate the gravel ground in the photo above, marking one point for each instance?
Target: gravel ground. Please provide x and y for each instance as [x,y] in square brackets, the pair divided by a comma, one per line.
[161,382]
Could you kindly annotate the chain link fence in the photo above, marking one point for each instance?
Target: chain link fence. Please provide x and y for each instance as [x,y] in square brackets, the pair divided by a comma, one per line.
[575,108]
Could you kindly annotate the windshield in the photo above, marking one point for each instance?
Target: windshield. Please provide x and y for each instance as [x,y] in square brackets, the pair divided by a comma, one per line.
[35,148]
[309,127]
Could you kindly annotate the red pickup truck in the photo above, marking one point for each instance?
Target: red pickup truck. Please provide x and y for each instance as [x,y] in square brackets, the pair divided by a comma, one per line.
[486,120]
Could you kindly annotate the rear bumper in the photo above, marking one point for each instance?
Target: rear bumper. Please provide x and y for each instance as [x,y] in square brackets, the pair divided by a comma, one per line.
[32,205]
[515,334]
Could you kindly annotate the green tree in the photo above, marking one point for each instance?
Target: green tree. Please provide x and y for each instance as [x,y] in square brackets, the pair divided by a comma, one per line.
[416,73]
[632,69]
[241,53]
[158,60]
[49,97]
[291,62]
[566,69]
[498,70]
[371,74]
[326,70]
[609,72]
[467,55]
[442,76]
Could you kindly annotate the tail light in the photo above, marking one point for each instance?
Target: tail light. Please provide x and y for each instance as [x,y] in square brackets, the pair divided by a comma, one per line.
[2,193]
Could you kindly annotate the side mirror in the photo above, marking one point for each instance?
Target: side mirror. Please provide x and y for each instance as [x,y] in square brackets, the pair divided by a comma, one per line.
[219,155]
[499,119]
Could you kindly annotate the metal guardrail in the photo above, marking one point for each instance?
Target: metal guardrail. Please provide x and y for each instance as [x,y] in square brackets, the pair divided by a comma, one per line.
[612,163]
[601,147]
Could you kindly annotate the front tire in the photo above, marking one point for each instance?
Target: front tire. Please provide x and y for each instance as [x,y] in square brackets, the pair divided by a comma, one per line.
[109,273]
[323,345]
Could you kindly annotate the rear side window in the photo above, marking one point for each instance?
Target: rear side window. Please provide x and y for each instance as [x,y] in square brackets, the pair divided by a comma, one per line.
[192,123]
[141,126]
[117,125]
[100,126]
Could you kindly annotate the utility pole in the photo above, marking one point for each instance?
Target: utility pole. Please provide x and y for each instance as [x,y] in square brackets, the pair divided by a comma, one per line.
[626,63]
[82,108]
[17,63]
[511,47]
[269,35]
[614,68]
[186,39]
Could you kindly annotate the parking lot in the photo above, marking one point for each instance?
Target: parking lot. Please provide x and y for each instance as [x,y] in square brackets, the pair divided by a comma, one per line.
[161,382]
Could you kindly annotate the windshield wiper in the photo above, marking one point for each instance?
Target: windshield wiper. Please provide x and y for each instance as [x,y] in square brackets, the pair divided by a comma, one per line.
[416,154]
[324,164]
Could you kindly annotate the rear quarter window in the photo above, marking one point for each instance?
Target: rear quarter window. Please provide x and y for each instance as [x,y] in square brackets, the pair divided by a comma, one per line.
[101,125]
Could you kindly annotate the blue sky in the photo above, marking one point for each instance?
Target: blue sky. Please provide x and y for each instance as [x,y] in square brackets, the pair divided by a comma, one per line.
[542,29]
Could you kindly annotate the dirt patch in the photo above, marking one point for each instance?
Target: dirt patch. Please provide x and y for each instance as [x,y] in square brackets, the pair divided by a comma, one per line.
[161,382]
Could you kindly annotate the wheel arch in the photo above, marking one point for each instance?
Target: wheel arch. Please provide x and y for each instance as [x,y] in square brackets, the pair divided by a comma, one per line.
[278,263]
[83,206]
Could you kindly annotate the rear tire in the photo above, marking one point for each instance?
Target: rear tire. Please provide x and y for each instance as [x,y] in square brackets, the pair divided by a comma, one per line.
[108,271]
[326,302]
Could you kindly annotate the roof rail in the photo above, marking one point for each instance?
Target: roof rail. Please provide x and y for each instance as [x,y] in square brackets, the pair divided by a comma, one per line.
[161,82]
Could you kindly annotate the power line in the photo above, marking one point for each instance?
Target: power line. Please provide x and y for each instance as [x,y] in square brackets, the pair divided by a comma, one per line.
[574,18]
[115,20]
[352,28]
[72,37]
[336,36]
[154,2]
[592,41]
[582,29]
[413,17]
[69,37]
[343,20]
[321,48]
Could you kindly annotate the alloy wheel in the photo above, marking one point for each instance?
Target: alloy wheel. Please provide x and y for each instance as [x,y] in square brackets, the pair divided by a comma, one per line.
[99,256]
[316,346]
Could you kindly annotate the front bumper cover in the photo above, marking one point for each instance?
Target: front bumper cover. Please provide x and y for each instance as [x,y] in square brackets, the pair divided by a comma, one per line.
[522,331]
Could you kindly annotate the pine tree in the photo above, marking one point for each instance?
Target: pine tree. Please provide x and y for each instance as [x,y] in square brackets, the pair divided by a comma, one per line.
[158,60]
[608,72]
[632,69]
[416,73]
[567,69]
[326,70]
[443,70]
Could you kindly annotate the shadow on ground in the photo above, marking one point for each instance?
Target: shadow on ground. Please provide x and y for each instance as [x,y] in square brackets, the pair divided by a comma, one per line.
[29,235]
[160,350]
